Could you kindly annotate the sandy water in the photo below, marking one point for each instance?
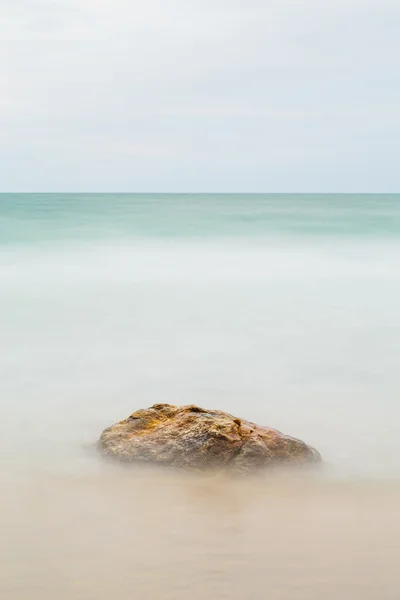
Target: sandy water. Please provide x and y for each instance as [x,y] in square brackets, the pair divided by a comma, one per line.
[150,534]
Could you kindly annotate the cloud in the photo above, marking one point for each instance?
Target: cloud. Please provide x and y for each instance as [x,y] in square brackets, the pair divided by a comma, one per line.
[231,94]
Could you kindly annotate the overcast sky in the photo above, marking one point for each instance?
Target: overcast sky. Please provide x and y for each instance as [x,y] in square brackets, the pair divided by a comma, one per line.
[200,95]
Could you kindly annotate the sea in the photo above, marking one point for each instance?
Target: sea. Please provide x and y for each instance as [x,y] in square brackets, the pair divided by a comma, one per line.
[283,309]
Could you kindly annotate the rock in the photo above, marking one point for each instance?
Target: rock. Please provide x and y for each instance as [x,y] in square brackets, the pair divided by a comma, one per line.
[189,436]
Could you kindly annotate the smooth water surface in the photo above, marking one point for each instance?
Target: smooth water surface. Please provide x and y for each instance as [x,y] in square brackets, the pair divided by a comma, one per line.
[280,309]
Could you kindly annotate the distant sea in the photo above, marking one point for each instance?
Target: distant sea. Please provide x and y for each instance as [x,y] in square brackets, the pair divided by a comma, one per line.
[282,309]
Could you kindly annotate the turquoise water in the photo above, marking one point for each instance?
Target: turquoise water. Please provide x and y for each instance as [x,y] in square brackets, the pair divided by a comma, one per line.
[43,217]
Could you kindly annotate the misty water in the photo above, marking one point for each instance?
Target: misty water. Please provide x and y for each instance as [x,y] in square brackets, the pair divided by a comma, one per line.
[283,310]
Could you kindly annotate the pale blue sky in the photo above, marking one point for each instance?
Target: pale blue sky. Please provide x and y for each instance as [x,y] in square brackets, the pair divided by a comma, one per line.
[200,95]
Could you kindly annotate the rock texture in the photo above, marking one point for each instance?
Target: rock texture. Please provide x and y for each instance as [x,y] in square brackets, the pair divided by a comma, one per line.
[189,436]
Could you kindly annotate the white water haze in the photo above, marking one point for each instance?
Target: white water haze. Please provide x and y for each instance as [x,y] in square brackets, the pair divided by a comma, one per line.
[294,329]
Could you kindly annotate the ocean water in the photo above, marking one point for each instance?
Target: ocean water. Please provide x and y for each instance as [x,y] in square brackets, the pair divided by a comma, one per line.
[282,309]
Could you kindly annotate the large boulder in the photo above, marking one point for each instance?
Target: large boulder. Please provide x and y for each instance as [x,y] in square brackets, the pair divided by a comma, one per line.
[189,436]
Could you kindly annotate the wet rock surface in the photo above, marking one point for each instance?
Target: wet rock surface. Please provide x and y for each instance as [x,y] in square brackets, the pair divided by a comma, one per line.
[196,438]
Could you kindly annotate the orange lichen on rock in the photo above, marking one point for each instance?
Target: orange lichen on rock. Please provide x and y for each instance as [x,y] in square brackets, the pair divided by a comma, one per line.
[193,437]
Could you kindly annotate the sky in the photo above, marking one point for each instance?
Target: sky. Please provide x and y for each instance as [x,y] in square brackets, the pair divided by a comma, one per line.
[199,95]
